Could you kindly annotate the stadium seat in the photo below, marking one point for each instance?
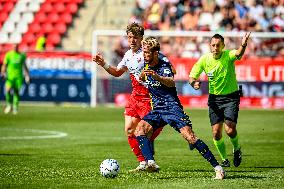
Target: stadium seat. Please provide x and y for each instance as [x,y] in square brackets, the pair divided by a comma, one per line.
[53,17]
[40,17]
[3,16]
[15,37]
[46,27]
[28,17]
[28,38]
[8,7]
[33,6]
[4,37]
[60,28]
[59,7]
[66,17]
[35,27]
[16,16]
[72,8]
[54,38]
[22,27]
[47,7]
[9,27]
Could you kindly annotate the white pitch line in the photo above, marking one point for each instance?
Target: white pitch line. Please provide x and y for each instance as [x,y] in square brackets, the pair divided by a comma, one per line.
[48,134]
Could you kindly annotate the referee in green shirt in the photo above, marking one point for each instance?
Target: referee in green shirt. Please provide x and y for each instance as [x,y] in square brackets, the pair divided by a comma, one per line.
[224,95]
[13,70]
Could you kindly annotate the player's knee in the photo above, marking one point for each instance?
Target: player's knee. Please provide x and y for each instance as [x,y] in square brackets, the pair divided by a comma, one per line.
[129,131]
[230,128]
[143,128]
[217,135]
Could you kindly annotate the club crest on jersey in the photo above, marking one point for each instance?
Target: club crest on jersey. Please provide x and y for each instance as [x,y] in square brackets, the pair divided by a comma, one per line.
[165,59]
[167,71]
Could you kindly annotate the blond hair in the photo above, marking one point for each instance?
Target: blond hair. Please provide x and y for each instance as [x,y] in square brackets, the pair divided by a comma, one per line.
[152,43]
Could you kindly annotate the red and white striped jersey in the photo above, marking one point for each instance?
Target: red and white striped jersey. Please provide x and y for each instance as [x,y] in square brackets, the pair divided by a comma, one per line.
[135,64]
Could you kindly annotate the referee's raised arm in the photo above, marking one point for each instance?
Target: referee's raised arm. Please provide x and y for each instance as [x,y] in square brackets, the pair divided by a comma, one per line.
[241,50]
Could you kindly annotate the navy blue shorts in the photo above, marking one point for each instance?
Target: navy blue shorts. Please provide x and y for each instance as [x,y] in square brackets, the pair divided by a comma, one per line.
[174,116]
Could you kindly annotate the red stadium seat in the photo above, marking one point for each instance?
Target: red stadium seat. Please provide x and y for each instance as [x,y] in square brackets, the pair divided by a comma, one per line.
[28,38]
[35,27]
[60,28]
[49,46]
[47,7]
[72,8]
[47,27]
[54,38]
[3,16]
[59,7]
[53,17]
[40,17]
[8,7]
[66,17]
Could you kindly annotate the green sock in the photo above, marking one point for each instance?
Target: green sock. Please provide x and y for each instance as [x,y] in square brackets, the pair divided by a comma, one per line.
[235,142]
[220,145]
[16,100]
[8,97]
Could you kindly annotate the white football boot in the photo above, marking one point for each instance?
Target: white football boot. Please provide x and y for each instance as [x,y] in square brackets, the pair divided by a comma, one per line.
[7,109]
[141,167]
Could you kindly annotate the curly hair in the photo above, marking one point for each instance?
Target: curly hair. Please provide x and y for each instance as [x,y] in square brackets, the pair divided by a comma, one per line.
[152,43]
[135,29]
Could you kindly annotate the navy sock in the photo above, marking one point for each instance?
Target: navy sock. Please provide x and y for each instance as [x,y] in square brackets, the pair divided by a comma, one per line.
[152,147]
[146,147]
[205,152]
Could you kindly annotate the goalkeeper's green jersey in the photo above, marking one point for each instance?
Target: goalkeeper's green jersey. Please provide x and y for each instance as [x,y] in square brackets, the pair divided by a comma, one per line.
[14,61]
[221,72]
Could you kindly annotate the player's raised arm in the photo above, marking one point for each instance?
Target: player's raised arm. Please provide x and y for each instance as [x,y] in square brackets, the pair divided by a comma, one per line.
[98,58]
[241,50]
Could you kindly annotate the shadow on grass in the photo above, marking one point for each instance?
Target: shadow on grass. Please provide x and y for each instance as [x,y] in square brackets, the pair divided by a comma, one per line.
[244,177]
[269,167]
[15,154]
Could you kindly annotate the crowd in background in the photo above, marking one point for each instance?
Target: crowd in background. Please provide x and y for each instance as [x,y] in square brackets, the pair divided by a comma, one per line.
[211,15]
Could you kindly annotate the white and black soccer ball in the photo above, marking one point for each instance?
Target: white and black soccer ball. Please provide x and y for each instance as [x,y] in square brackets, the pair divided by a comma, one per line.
[109,168]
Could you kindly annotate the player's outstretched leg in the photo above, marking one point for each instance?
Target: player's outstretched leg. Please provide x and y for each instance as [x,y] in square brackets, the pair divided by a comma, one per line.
[134,145]
[207,154]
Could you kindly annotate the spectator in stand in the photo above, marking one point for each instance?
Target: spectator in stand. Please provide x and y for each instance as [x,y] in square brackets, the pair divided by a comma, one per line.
[219,15]
[41,43]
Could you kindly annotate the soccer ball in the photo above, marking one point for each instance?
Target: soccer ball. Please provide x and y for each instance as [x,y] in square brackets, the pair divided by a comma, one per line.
[109,168]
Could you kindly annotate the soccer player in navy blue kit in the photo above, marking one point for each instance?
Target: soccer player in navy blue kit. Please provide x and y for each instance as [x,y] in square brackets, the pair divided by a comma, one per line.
[166,107]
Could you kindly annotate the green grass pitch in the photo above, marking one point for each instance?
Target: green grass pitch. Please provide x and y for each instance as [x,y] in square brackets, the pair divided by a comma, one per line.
[32,157]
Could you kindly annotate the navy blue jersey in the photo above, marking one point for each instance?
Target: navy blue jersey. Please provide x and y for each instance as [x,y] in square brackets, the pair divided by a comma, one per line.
[162,97]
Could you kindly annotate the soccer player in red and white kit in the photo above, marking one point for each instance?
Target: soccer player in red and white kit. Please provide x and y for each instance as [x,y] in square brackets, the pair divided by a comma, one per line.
[138,104]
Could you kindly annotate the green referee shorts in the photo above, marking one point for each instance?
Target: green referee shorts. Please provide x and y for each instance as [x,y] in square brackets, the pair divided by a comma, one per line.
[223,107]
[15,83]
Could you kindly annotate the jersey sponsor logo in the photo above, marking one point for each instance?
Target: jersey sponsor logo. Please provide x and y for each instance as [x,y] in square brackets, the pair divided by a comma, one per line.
[210,75]
[153,83]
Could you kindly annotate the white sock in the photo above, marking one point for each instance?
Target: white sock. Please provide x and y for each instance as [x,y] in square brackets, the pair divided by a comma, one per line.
[142,162]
